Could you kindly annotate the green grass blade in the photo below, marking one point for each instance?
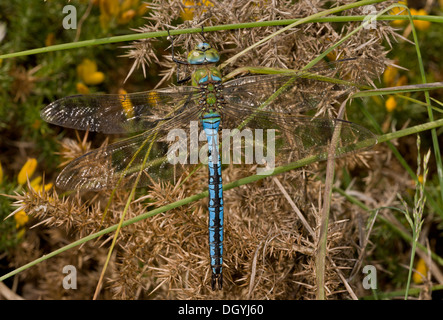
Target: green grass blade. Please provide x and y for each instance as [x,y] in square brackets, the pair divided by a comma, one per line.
[400,89]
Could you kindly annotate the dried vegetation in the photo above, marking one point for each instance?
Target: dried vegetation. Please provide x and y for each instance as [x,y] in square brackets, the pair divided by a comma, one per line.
[269,253]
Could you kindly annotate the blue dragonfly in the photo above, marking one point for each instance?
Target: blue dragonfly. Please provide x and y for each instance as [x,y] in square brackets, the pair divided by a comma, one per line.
[269,102]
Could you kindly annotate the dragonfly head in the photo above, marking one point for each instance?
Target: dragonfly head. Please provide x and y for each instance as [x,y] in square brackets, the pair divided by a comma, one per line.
[203,53]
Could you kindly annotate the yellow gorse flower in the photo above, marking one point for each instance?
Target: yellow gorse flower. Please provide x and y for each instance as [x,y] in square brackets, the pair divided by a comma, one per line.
[82,88]
[188,10]
[1,173]
[420,24]
[120,11]
[421,271]
[141,10]
[21,218]
[187,13]
[126,16]
[392,79]
[109,9]
[403,80]
[35,183]
[399,11]
[390,104]
[332,55]
[87,71]
[38,187]
[50,39]
[128,4]
[27,171]
[46,187]
[390,75]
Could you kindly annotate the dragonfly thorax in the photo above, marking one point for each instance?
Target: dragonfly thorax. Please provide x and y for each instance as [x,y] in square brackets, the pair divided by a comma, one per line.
[206,75]
[211,97]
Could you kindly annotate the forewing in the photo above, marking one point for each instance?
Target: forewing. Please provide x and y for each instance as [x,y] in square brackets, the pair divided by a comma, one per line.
[120,113]
[303,90]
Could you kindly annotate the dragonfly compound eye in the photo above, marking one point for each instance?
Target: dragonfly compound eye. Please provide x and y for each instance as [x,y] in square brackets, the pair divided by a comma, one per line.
[203,54]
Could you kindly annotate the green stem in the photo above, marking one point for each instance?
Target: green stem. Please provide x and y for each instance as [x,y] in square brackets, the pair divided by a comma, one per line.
[400,89]
[411,264]
[320,257]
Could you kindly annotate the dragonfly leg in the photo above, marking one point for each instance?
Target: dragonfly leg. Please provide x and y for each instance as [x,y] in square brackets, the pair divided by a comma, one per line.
[170,38]
[179,81]
[177,61]
[202,34]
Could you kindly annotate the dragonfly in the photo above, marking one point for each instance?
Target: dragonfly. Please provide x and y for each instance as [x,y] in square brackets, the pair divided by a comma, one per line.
[268,105]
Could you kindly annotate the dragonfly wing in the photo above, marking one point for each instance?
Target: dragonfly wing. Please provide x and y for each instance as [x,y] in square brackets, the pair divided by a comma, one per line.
[303,90]
[120,163]
[119,113]
[288,137]
[287,93]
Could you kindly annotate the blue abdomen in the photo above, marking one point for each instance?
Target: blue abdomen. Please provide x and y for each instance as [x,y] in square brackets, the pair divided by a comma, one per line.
[211,123]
